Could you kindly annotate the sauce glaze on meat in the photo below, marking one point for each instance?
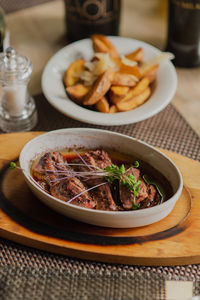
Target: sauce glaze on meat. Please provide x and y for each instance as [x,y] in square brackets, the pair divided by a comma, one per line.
[50,169]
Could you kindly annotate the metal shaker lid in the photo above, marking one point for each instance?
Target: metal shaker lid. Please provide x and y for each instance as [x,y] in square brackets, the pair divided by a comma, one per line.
[14,67]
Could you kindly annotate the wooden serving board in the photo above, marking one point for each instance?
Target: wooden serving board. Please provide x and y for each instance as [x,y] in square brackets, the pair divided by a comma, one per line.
[24,219]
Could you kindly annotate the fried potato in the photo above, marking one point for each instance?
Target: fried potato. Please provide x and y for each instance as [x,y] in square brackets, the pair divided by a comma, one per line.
[134,101]
[73,73]
[117,93]
[124,79]
[99,88]
[77,92]
[111,82]
[102,105]
[102,44]
[135,91]
[113,109]
[140,86]
[133,70]
[151,73]
[137,55]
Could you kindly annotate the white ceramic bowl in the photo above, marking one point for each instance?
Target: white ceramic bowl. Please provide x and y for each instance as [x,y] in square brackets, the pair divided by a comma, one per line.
[95,138]
[54,91]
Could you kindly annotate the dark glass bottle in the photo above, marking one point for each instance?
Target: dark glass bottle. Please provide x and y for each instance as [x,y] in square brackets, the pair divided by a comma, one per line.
[184,32]
[86,17]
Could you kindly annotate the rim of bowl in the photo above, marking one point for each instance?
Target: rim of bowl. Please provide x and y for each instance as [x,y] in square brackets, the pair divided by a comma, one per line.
[112,213]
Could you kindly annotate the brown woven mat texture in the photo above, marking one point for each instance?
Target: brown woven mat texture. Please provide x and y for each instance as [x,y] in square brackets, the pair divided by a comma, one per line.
[167,129]
[84,286]
[27,273]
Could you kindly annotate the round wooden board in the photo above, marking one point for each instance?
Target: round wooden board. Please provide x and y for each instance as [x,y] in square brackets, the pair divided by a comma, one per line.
[26,220]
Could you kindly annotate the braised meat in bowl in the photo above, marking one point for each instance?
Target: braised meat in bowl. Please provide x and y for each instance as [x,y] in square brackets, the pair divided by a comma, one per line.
[101,177]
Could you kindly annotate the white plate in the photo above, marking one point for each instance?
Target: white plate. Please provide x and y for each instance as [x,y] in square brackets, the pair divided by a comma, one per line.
[94,139]
[53,88]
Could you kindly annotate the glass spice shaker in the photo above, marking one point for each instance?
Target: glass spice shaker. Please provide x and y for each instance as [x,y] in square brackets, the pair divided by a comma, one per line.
[17,108]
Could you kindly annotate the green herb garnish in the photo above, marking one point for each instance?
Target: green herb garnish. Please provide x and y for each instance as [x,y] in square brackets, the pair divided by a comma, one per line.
[136,164]
[12,165]
[135,206]
[114,172]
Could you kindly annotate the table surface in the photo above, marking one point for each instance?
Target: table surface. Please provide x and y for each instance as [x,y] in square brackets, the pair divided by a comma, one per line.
[32,34]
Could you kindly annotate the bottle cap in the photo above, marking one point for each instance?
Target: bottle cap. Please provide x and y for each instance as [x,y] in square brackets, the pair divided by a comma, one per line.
[14,67]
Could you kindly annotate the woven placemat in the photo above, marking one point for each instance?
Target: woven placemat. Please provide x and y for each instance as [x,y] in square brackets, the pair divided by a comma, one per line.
[27,273]
[34,284]
[167,129]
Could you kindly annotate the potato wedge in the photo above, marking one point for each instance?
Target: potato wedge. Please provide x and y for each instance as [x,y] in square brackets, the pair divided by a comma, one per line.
[72,74]
[99,88]
[113,109]
[102,44]
[124,79]
[140,86]
[151,73]
[134,101]
[134,70]
[137,55]
[117,93]
[102,105]
[135,91]
[77,92]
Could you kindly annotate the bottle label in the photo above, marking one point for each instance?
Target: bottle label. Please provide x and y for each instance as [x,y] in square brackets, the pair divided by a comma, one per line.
[92,11]
[187,4]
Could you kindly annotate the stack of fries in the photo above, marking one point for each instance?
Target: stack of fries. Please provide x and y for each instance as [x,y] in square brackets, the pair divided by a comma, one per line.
[110,82]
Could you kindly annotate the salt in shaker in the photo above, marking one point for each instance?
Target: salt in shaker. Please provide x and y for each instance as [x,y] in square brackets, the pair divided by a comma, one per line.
[17,108]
